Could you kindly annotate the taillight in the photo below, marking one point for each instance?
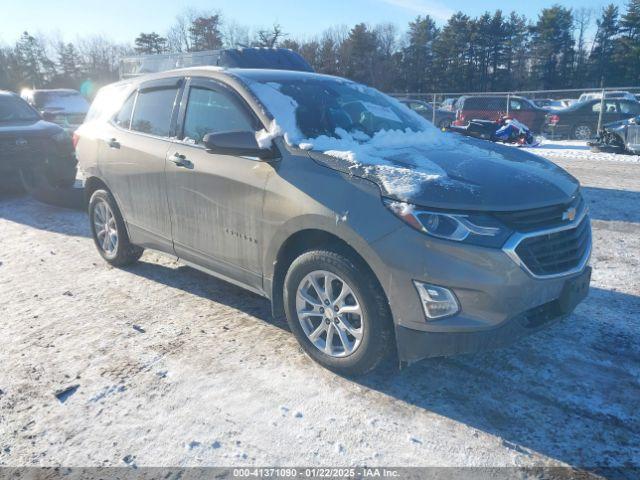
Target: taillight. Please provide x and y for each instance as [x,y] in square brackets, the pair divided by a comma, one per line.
[460,115]
[554,119]
[74,139]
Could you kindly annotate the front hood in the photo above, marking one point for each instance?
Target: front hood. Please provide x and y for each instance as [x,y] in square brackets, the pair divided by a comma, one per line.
[478,175]
[29,128]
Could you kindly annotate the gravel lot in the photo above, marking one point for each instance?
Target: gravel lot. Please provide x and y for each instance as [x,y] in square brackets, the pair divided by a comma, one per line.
[161,365]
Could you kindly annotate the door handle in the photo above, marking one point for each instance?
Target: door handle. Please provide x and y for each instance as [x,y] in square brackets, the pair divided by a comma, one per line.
[180,160]
[113,143]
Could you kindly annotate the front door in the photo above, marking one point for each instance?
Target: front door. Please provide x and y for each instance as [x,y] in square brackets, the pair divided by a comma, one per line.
[216,201]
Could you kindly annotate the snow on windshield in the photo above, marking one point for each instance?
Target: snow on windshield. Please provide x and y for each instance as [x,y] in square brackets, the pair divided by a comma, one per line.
[375,151]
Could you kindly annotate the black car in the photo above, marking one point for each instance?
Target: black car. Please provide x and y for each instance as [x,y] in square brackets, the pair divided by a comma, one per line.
[33,152]
[580,120]
[620,136]
[444,118]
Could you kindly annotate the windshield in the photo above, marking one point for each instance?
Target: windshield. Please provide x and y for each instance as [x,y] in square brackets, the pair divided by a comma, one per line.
[68,101]
[15,109]
[325,107]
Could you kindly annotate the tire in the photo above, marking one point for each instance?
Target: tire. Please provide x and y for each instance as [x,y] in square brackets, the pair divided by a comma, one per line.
[369,333]
[582,131]
[113,245]
[444,124]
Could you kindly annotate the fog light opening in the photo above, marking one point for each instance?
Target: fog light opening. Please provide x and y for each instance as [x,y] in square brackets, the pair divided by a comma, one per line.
[437,302]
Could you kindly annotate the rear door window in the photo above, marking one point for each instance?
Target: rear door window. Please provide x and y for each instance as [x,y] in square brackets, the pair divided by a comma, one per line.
[212,111]
[153,111]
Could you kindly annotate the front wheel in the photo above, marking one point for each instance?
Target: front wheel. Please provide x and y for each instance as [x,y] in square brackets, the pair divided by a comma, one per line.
[109,232]
[338,312]
[583,132]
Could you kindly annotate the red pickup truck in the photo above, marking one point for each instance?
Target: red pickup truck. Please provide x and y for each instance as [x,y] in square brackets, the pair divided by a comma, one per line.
[491,107]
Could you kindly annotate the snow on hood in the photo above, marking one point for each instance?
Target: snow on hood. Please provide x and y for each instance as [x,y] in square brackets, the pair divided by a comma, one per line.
[376,156]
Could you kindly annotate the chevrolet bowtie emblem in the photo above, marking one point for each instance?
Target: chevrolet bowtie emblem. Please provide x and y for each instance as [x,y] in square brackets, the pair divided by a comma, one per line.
[569,215]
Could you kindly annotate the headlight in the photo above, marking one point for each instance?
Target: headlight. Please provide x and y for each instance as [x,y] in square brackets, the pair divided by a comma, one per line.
[477,229]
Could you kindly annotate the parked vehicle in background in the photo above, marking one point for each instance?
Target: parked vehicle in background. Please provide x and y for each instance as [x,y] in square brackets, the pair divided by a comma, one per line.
[619,137]
[63,106]
[34,153]
[449,104]
[541,102]
[492,107]
[550,104]
[609,94]
[637,95]
[443,119]
[580,121]
[359,220]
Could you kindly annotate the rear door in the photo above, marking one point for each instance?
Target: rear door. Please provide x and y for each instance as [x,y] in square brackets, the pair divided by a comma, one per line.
[215,200]
[132,154]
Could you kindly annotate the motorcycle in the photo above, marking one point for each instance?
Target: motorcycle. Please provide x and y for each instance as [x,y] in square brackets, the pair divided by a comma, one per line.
[504,130]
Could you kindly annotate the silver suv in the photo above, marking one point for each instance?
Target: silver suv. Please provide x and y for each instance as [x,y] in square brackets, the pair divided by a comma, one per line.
[371,230]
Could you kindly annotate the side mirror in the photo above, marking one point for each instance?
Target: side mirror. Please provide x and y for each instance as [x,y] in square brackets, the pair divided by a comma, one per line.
[48,116]
[238,143]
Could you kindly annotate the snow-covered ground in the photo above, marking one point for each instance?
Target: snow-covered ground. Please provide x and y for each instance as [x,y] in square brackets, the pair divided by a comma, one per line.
[576,150]
[160,365]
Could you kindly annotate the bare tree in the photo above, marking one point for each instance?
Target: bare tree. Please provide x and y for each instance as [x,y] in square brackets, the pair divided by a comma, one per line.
[270,38]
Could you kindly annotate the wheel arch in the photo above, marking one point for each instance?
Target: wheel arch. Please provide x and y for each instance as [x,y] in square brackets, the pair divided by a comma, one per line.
[92,184]
[303,241]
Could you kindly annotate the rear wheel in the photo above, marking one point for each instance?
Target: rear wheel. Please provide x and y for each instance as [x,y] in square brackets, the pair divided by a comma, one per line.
[583,132]
[109,232]
[338,312]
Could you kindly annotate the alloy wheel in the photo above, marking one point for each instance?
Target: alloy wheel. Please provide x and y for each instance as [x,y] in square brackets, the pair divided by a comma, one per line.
[583,132]
[330,313]
[106,228]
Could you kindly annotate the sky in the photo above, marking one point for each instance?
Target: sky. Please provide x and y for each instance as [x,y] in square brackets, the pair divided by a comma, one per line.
[122,20]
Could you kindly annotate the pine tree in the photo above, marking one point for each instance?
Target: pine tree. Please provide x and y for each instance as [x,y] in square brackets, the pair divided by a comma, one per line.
[417,61]
[150,43]
[629,43]
[36,67]
[552,48]
[204,33]
[604,47]
[360,54]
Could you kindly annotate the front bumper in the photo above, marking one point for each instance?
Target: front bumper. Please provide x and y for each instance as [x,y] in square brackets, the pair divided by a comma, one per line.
[500,302]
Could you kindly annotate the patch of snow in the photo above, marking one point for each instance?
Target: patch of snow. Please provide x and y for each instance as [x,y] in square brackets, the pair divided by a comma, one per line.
[265,137]
[577,150]
[283,110]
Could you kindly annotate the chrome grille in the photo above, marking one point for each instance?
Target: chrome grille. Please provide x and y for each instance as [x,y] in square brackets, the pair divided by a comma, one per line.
[557,252]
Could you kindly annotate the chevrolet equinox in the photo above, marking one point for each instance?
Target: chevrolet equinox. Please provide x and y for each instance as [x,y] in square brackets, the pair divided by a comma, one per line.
[373,232]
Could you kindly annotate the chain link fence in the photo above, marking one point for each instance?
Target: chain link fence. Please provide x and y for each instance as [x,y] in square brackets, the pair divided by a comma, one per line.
[570,113]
